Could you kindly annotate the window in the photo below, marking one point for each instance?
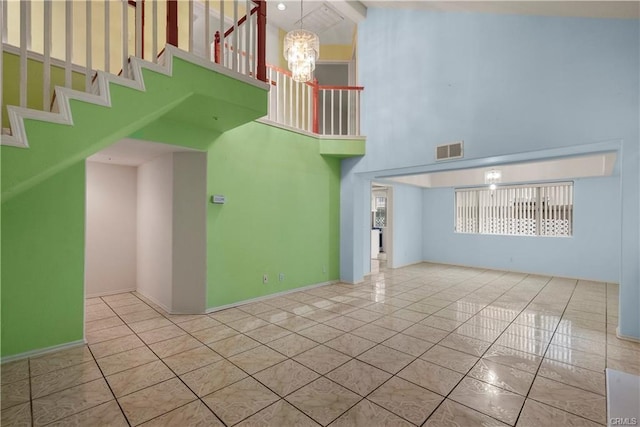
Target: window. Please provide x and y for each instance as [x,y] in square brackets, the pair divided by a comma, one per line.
[524,210]
[380,214]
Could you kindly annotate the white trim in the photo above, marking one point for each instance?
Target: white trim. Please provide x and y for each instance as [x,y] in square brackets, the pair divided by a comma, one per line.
[105,294]
[626,337]
[158,303]
[267,297]
[42,351]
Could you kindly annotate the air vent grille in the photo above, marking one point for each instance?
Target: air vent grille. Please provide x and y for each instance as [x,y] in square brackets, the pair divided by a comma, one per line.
[449,151]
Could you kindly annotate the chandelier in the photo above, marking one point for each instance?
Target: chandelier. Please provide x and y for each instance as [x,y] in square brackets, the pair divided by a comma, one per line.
[492,178]
[301,50]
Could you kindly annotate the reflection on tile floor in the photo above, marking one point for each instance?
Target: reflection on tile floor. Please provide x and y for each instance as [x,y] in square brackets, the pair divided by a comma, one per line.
[426,344]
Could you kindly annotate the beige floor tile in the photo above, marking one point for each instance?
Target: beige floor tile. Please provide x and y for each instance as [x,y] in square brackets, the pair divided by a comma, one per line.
[16,416]
[286,377]
[320,315]
[406,400]
[14,393]
[409,315]
[240,400]
[58,360]
[367,413]
[517,359]
[275,315]
[425,333]
[449,358]
[191,359]
[135,306]
[256,359]
[194,414]
[97,325]
[320,333]
[255,308]
[373,333]
[175,345]
[502,376]
[578,377]
[478,332]
[149,324]
[107,414]
[198,324]
[408,344]
[322,359]
[536,414]
[179,319]
[107,334]
[364,315]
[139,316]
[64,378]
[296,323]
[359,377]
[350,344]
[490,400]
[280,413]
[98,313]
[233,345]
[570,399]
[453,414]
[465,344]
[70,401]
[216,333]
[135,379]
[292,345]
[14,371]
[323,400]
[430,376]
[386,358]
[268,333]
[628,366]
[393,323]
[344,323]
[118,345]
[126,360]
[161,334]
[441,323]
[229,315]
[580,344]
[622,353]
[213,377]
[247,324]
[521,343]
[156,400]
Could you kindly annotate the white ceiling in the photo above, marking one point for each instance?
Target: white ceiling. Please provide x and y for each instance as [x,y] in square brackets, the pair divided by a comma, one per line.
[596,165]
[587,9]
[133,152]
[339,33]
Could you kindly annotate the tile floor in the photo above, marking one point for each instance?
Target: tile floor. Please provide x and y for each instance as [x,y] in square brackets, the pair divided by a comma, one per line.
[428,345]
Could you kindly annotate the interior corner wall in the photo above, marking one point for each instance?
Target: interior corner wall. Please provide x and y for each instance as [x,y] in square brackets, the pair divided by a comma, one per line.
[111,229]
[155,230]
[189,249]
[407,225]
[43,264]
[593,252]
[281,214]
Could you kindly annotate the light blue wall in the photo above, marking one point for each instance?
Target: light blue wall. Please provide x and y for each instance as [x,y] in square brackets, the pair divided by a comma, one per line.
[504,84]
[407,225]
[592,253]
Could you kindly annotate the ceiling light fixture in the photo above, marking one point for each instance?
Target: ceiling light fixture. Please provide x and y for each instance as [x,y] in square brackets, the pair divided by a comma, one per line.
[282,6]
[301,50]
[492,178]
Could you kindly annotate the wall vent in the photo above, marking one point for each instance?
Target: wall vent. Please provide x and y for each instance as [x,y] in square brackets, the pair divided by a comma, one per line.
[450,151]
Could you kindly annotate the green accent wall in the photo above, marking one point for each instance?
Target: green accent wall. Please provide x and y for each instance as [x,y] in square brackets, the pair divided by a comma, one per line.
[342,148]
[281,213]
[43,264]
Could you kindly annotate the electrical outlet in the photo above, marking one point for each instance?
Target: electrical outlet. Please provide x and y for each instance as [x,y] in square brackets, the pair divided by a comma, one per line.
[265,278]
[281,277]
[324,269]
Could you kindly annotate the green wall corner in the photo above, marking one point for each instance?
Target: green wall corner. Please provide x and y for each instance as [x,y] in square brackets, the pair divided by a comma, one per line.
[342,148]
[282,214]
[43,264]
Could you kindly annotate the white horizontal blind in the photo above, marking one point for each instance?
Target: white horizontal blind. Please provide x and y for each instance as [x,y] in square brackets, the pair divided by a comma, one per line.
[524,210]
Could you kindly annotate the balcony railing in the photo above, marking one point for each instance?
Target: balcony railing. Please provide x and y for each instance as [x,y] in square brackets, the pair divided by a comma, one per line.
[324,110]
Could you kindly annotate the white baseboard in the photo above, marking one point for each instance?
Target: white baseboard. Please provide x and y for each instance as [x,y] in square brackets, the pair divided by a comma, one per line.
[106,294]
[266,297]
[156,302]
[42,351]
[626,337]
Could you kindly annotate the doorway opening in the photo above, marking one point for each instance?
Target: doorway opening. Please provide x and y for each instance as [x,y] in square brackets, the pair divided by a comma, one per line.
[381,227]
